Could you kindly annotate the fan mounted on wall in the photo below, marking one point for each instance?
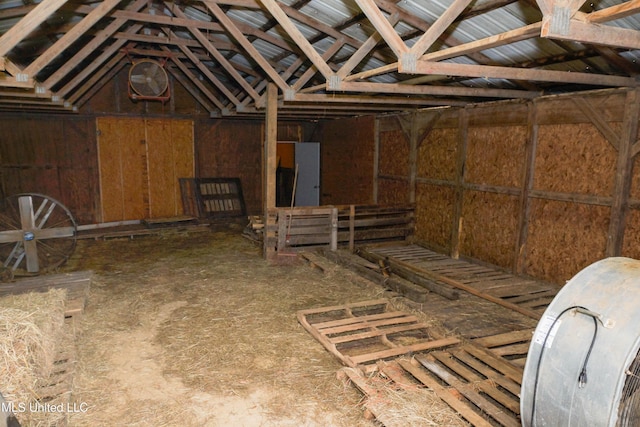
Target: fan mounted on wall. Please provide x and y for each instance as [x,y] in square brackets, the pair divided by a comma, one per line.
[148,80]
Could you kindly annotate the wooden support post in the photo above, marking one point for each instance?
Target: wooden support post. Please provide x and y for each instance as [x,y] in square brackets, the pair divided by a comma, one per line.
[333,242]
[528,168]
[376,158]
[457,223]
[269,162]
[352,228]
[624,169]
[413,157]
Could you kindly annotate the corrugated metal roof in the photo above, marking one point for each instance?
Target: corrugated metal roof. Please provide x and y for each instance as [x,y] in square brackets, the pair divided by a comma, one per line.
[328,17]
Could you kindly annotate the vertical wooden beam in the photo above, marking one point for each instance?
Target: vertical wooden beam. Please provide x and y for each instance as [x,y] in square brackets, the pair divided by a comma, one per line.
[352,228]
[624,170]
[376,158]
[457,222]
[269,162]
[333,241]
[528,168]
[413,157]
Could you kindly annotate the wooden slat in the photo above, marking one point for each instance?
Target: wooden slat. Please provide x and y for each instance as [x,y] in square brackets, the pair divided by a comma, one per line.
[380,326]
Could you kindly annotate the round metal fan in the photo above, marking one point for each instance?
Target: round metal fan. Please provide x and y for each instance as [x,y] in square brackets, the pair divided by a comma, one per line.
[148,80]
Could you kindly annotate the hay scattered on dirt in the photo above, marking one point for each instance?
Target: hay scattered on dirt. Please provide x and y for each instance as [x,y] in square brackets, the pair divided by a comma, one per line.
[31,327]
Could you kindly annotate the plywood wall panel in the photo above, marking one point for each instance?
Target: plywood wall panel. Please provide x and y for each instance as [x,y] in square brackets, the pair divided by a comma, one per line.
[393,193]
[489,227]
[169,157]
[574,158]
[496,155]
[564,238]
[437,155]
[162,200]
[394,154]
[434,215]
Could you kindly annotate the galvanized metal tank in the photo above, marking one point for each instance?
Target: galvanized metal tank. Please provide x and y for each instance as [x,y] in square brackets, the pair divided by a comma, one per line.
[606,294]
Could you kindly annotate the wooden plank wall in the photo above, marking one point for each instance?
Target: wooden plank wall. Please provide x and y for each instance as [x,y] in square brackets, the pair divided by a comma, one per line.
[527,186]
[51,156]
[347,161]
[233,148]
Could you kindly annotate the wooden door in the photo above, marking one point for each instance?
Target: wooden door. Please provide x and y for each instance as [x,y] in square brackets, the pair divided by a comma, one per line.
[140,163]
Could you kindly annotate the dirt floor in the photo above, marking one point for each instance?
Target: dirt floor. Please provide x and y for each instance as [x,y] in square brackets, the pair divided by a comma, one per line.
[196,329]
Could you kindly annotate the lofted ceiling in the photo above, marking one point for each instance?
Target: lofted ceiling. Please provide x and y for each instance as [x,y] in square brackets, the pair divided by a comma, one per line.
[328,58]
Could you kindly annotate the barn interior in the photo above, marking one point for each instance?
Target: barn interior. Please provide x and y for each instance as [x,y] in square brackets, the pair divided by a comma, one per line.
[311,212]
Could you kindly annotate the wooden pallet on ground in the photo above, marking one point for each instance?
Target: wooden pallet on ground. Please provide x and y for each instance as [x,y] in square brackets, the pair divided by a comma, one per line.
[360,334]
[476,382]
[525,296]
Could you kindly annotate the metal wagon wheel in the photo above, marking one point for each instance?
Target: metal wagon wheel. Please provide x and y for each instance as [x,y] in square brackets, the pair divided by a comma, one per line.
[37,234]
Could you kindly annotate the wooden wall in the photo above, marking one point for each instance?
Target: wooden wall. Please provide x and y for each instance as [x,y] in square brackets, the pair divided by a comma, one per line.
[56,155]
[534,187]
[347,152]
[52,155]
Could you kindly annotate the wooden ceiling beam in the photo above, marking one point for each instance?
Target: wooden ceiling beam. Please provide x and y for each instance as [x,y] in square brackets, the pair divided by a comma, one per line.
[204,70]
[298,38]
[364,50]
[509,73]
[304,79]
[246,44]
[114,64]
[437,28]
[577,31]
[71,36]
[89,69]
[191,89]
[371,99]
[27,24]
[203,89]
[395,88]
[383,26]
[90,47]
[619,11]
[221,59]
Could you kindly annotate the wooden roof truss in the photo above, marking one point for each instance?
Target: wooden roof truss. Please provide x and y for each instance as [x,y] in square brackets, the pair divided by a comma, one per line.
[383,56]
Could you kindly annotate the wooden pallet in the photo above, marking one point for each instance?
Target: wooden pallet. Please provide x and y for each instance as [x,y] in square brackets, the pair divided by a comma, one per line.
[362,333]
[482,387]
[212,197]
[480,380]
[512,346]
[525,296]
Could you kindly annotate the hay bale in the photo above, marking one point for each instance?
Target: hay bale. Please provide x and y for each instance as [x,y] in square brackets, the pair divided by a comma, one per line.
[31,325]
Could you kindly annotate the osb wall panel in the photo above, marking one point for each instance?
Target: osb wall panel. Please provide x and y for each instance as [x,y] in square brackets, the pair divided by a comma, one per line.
[55,156]
[635,179]
[434,215]
[438,155]
[392,192]
[496,155]
[489,227]
[347,161]
[230,149]
[574,158]
[631,243]
[564,238]
[394,154]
